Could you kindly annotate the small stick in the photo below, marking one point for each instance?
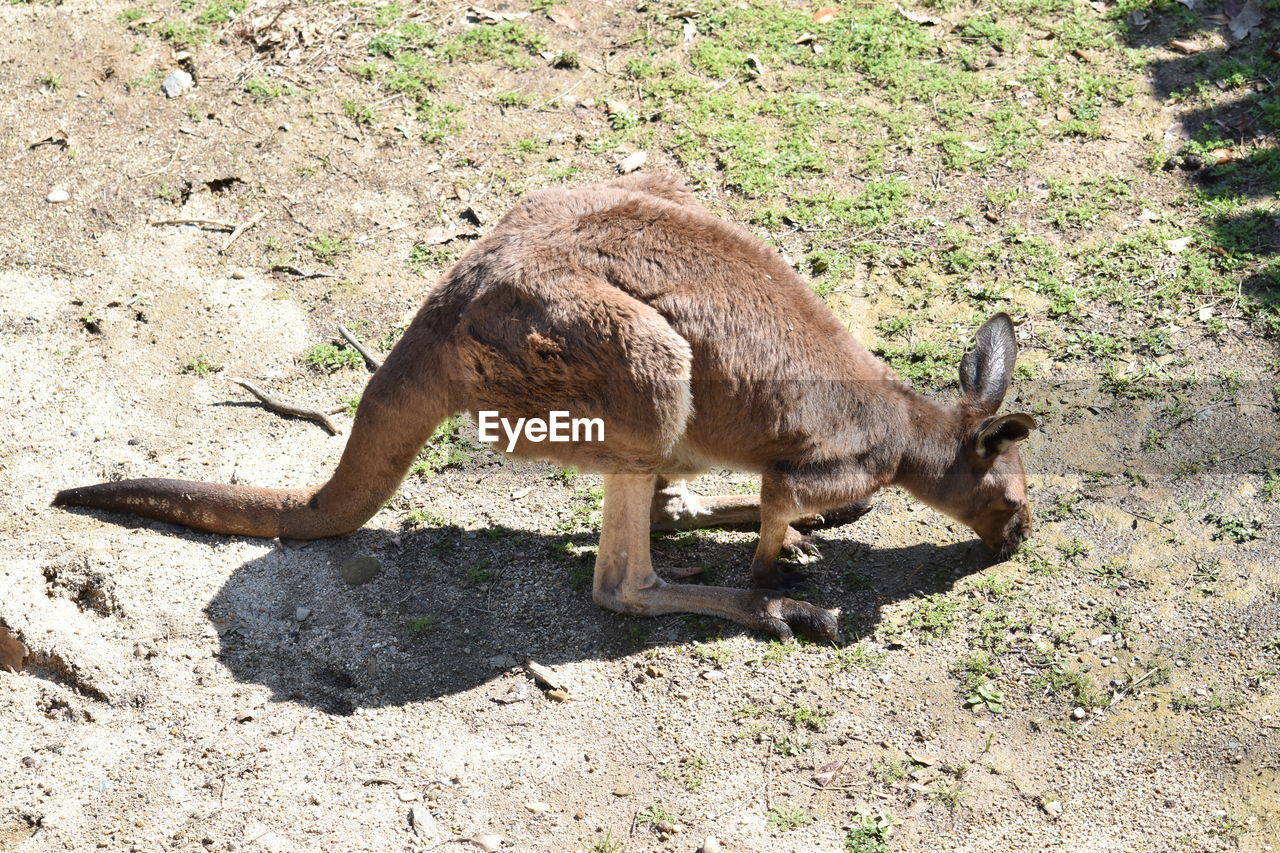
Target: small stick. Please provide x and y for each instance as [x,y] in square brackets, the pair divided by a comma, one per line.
[369,358]
[203,223]
[240,229]
[277,405]
[290,268]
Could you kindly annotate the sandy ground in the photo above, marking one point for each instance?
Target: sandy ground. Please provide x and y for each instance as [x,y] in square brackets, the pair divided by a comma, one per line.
[194,692]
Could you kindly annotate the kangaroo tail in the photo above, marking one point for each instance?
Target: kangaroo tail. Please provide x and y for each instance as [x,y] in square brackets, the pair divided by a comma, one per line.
[399,409]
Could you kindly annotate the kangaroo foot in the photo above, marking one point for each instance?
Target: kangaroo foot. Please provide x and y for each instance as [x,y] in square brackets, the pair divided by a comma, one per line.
[786,617]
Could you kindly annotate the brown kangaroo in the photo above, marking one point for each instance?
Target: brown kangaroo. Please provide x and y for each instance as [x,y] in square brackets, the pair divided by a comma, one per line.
[697,346]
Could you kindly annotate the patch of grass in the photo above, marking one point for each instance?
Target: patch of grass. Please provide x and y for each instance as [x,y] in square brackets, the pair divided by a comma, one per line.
[1211,702]
[889,771]
[330,358]
[445,449]
[422,627]
[327,248]
[201,365]
[870,832]
[790,746]
[855,657]
[221,11]
[785,820]
[804,717]
[358,112]
[263,88]
[424,258]
[717,652]
[503,40]
[1234,527]
[986,695]
[933,616]
[655,815]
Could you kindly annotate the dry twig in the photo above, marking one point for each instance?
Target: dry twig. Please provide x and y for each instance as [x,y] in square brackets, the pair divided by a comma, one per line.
[240,229]
[203,223]
[275,404]
[369,358]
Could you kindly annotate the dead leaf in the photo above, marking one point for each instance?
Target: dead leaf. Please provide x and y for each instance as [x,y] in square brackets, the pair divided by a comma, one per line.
[826,14]
[804,38]
[923,760]
[914,18]
[1177,246]
[1219,156]
[755,65]
[1184,46]
[565,17]
[1245,19]
[12,651]
[827,774]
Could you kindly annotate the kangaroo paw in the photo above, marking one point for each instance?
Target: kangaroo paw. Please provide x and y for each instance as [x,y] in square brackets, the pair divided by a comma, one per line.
[799,546]
[786,617]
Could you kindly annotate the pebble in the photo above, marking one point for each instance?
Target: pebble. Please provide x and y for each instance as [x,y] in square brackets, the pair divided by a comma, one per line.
[406,796]
[713,675]
[489,842]
[176,83]
[1053,808]
[711,844]
[421,821]
[359,570]
[1078,714]
[302,613]
[57,196]
[537,807]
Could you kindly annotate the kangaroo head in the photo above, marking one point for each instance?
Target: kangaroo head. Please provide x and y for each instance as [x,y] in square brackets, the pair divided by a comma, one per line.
[985,486]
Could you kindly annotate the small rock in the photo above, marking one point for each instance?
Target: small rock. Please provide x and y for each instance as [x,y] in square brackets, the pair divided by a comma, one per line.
[502,661]
[489,843]
[1053,808]
[176,83]
[654,671]
[302,614]
[239,275]
[537,807]
[713,675]
[58,196]
[1078,714]
[711,844]
[622,792]
[632,162]
[406,796]
[558,695]
[422,823]
[360,570]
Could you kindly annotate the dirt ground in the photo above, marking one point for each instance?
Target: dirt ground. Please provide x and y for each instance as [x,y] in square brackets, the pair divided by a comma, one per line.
[193,692]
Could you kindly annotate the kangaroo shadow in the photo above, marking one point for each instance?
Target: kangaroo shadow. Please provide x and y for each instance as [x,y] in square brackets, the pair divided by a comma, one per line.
[452,610]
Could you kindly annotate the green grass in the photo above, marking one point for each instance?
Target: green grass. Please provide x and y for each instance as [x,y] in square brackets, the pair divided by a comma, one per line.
[785,819]
[201,365]
[330,358]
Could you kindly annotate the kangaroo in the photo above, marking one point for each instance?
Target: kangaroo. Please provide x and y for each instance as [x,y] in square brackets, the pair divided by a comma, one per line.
[698,346]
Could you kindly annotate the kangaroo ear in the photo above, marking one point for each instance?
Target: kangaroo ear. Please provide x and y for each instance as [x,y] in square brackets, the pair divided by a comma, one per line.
[985,370]
[995,434]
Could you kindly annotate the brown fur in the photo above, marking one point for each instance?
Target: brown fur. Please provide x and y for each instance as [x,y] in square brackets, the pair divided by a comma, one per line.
[698,346]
